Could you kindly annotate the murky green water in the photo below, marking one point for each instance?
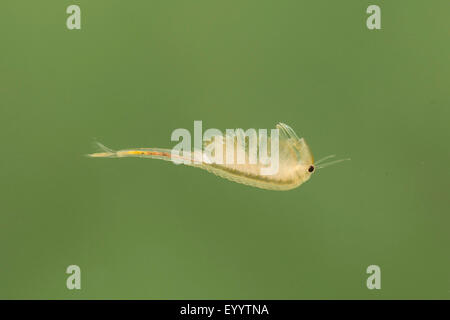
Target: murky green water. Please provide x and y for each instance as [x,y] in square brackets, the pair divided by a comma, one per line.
[149,229]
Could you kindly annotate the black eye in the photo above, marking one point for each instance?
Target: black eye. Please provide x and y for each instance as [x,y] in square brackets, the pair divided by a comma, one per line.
[311,169]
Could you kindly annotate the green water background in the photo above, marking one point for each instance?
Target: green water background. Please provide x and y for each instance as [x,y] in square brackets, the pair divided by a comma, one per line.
[147,229]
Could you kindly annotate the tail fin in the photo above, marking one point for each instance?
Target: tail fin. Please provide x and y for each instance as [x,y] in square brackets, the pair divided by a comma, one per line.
[106,152]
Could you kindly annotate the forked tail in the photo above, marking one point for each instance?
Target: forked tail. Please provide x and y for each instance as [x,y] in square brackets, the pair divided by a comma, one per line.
[106,152]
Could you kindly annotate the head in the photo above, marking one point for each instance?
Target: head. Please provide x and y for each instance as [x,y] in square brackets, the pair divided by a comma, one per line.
[306,160]
[303,155]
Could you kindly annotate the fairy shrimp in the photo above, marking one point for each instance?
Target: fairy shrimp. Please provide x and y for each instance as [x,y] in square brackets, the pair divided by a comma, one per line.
[295,161]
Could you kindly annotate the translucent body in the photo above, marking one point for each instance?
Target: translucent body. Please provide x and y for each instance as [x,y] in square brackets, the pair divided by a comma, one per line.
[295,161]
